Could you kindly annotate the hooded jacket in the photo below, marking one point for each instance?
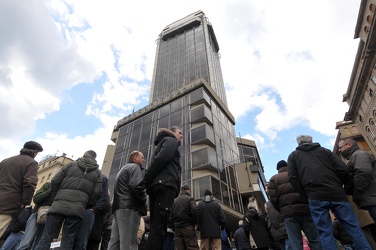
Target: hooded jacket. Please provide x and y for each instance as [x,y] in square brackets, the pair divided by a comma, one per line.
[165,166]
[18,179]
[212,220]
[361,166]
[76,186]
[284,197]
[317,172]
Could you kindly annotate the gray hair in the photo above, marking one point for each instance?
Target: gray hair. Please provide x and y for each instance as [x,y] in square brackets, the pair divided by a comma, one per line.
[303,139]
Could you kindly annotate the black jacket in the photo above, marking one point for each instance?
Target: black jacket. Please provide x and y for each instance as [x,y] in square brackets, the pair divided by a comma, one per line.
[165,166]
[276,226]
[127,191]
[284,197]
[257,227]
[184,211]
[76,186]
[103,204]
[18,223]
[241,240]
[317,172]
[361,166]
[212,219]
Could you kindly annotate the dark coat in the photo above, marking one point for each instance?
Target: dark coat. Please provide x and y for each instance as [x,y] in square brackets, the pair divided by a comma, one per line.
[184,211]
[361,166]
[43,196]
[165,166]
[317,172]
[241,240]
[18,223]
[127,191]
[276,226]
[76,186]
[255,224]
[212,220]
[285,199]
[103,204]
[18,179]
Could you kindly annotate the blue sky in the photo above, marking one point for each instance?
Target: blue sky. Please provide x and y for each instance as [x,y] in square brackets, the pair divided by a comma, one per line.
[69,70]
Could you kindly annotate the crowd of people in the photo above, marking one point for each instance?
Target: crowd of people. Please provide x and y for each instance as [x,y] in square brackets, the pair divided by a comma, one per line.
[308,203]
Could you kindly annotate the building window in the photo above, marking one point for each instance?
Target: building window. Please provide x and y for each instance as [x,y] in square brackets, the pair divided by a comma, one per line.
[49,176]
[41,181]
[370,92]
[370,133]
[373,79]
[372,123]
[360,118]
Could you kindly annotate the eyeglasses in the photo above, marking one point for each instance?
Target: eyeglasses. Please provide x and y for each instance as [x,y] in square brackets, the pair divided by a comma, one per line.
[340,147]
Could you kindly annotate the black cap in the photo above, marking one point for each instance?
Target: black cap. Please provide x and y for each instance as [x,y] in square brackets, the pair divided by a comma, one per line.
[281,164]
[33,145]
[207,192]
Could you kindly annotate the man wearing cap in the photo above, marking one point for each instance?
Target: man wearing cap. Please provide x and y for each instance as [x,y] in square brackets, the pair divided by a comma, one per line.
[184,217]
[76,186]
[293,209]
[18,179]
[212,221]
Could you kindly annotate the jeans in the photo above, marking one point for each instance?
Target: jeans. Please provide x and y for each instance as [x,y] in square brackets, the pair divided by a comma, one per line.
[124,229]
[52,228]
[33,233]
[161,199]
[294,227]
[344,213]
[85,229]
[348,247]
[284,244]
[12,241]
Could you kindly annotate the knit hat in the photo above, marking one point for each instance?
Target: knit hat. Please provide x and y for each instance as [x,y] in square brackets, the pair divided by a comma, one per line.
[207,192]
[90,154]
[281,163]
[33,145]
[185,188]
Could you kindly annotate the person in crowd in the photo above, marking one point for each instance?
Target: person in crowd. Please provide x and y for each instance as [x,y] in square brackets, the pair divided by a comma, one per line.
[18,179]
[33,230]
[293,208]
[76,185]
[342,236]
[98,210]
[278,238]
[254,225]
[162,182]
[317,173]
[184,217]
[16,229]
[212,221]
[129,204]
[142,245]
[106,235]
[241,239]
[225,241]
[362,175]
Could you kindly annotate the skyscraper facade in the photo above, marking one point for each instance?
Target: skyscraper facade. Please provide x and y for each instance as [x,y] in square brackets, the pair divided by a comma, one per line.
[187,90]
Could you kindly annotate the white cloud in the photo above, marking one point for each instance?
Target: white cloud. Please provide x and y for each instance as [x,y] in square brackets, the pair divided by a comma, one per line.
[289,61]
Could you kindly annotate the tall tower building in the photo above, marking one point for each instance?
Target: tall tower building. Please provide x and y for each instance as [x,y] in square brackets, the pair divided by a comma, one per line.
[187,90]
